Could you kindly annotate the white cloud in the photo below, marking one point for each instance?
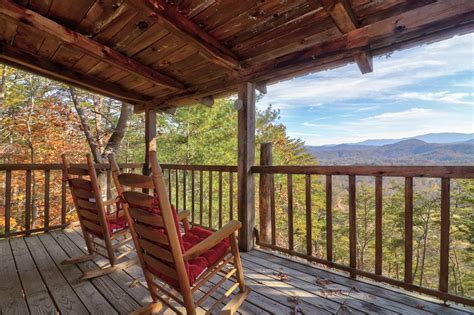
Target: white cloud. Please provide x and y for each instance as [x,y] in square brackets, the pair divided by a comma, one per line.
[391,75]
[412,113]
[445,97]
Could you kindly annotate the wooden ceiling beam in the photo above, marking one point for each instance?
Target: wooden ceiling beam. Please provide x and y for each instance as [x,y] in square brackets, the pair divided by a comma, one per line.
[422,25]
[344,18]
[53,71]
[170,18]
[19,14]
[364,61]
[342,14]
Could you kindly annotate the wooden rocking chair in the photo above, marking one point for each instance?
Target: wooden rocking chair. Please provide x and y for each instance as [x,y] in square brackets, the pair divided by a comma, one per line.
[181,262]
[101,230]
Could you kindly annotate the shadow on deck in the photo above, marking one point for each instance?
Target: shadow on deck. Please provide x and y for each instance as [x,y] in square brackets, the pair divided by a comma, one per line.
[33,281]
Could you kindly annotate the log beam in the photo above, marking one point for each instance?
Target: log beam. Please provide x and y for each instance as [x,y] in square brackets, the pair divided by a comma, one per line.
[53,71]
[364,62]
[246,156]
[342,15]
[168,16]
[19,14]
[344,18]
[401,31]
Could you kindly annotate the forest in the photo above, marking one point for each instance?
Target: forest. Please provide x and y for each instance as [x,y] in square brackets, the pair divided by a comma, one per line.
[40,119]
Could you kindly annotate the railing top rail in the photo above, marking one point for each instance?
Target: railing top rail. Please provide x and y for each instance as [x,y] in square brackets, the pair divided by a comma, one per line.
[32,167]
[217,168]
[391,171]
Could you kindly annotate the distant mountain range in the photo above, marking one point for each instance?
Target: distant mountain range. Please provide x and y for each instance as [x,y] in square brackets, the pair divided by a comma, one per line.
[429,149]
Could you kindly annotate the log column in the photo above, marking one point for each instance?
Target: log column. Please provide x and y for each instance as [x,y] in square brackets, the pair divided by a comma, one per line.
[265,194]
[150,137]
[246,151]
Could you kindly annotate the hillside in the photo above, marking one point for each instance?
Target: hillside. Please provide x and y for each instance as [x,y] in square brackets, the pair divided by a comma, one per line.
[405,152]
[443,137]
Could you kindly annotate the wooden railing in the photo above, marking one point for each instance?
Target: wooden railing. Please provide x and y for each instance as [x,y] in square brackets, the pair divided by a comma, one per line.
[34,198]
[209,192]
[307,176]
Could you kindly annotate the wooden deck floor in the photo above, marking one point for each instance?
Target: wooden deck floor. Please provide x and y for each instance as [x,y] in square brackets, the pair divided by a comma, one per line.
[32,280]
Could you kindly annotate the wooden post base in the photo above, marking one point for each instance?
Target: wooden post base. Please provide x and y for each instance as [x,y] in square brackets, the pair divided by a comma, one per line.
[105,271]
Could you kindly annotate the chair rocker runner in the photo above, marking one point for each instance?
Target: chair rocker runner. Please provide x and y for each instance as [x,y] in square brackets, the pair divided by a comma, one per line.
[105,233]
[181,262]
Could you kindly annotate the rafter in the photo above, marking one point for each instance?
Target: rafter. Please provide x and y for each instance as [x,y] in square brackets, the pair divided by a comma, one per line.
[344,18]
[19,14]
[404,30]
[168,16]
[51,70]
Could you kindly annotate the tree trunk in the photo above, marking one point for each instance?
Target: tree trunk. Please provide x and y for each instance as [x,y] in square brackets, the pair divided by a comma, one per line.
[95,150]
[113,145]
[29,141]
[3,85]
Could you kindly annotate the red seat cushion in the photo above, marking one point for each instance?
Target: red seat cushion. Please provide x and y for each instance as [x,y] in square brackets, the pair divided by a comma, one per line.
[198,265]
[116,223]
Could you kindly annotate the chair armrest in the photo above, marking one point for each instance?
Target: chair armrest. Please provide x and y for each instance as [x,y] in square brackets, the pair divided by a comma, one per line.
[183,215]
[212,240]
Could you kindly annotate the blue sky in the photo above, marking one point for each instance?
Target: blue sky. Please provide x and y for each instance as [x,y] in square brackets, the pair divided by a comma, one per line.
[425,89]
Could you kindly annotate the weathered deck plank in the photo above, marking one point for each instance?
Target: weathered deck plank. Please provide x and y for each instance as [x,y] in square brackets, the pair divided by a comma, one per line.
[64,296]
[11,295]
[35,278]
[332,291]
[36,293]
[390,295]
[95,302]
[119,299]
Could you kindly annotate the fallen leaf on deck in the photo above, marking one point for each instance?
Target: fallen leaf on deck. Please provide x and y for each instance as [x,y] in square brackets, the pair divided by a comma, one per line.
[355,289]
[332,292]
[420,306]
[322,282]
[134,283]
[281,275]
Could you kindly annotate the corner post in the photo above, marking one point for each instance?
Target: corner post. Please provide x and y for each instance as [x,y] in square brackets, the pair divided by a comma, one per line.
[246,156]
[150,138]
[265,194]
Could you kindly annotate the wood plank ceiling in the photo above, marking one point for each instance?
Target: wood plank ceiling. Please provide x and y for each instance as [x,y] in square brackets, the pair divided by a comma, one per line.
[157,53]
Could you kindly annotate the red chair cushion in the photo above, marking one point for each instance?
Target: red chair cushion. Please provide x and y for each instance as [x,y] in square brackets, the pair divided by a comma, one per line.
[195,267]
[116,223]
[190,238]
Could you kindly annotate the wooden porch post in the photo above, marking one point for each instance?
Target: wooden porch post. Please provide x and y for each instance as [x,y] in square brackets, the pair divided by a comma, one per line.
[150,137]
[266,191]
[246,152]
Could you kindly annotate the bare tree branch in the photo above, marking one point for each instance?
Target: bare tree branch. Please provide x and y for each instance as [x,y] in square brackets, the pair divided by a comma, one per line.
[85,127]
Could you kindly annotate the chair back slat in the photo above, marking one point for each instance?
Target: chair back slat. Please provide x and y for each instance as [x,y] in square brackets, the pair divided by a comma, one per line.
[146,217]
[157,251]
[81,183]
[95,228]
[159,266]
[136,180]
[151,234]
[78,171]
[85,204]
[84,194]
[138,199]
[90,216]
